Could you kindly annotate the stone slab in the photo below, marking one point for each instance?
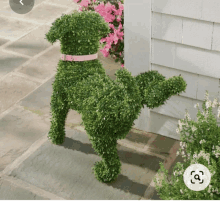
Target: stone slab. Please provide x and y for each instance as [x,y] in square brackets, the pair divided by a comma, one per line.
[10,191]
[68,3]
[44,66]
[13,88]
[38,102]
[3,3]
[40,98]
[41,12]
[12,29]
[31,44]
[2,40]
[65,170]
[163,144]
[9,62]
[19,129]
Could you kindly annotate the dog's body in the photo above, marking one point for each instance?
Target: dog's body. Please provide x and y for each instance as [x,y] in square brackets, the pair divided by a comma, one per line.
[108,107]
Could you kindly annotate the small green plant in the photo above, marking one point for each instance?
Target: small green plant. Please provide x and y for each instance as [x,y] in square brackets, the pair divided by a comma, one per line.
[108,107]
[200,143]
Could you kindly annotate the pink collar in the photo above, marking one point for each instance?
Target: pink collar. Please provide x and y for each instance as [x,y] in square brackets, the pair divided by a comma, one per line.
[79,58]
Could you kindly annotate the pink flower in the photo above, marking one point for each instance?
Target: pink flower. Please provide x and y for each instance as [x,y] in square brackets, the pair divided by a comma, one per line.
[111,26]
[80,9]
[118,19]
[105,53]
[106,12]
[84,3]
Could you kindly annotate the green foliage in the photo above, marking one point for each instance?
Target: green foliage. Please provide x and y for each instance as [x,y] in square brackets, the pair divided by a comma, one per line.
[81,29]
[156,90]
[175,188]
[202,147]
[108,107]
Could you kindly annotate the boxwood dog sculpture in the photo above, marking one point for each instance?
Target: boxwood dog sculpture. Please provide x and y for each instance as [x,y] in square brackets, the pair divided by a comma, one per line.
[108,107]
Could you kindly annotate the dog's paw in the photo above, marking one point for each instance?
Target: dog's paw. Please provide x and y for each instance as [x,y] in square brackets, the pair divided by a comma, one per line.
[104,174]
[56,139]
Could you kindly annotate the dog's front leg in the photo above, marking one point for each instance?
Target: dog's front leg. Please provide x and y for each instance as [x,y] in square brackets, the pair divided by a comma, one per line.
[59,110]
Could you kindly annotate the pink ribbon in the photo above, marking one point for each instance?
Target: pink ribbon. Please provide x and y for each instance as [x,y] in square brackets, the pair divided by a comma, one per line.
[79,58]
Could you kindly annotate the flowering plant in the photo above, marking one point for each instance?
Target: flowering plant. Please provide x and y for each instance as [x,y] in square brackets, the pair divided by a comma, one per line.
[113,14]
[200,143]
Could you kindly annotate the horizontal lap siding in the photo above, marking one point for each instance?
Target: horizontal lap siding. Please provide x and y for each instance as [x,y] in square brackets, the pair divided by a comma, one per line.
[207,10]
[164,125]
[186,58]
[196,84]
[164,120]
[185,40]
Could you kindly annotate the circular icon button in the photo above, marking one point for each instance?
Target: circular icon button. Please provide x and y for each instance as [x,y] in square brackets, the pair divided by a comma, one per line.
[197,177]
[21,6]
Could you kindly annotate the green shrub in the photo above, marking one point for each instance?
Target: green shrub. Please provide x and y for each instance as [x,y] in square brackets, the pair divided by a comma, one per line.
[201,146]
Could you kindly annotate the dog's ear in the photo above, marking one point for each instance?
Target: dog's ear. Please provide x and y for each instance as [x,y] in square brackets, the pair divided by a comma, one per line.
[57,30]
[92,22]
[101,26]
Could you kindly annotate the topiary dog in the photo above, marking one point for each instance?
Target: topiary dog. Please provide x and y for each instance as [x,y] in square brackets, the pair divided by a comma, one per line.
[108,107]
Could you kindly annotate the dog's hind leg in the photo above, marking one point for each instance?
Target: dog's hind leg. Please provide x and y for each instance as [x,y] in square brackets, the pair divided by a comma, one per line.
[59,110]
[109,167]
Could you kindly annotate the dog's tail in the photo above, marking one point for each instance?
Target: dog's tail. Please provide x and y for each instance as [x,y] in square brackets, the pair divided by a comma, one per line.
[155,89]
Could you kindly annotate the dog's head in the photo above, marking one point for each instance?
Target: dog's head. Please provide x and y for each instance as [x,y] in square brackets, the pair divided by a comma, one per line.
[79,32]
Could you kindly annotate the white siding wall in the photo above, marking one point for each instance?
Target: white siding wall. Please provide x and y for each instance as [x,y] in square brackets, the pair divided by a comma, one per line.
[174,37]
